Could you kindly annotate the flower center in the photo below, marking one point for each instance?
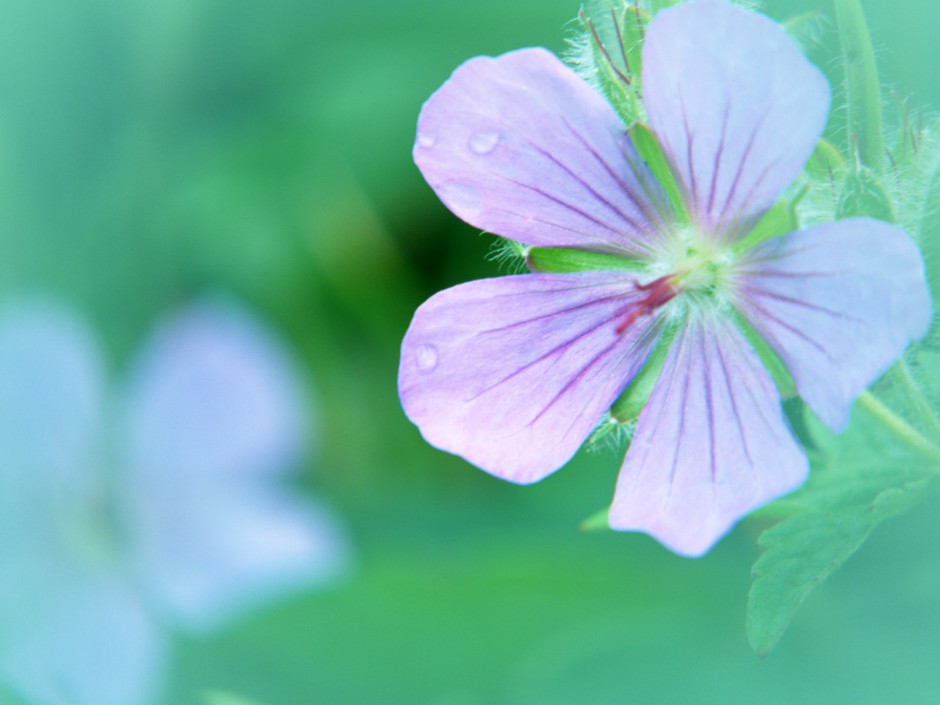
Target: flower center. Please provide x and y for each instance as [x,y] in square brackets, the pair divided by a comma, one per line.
[696,272]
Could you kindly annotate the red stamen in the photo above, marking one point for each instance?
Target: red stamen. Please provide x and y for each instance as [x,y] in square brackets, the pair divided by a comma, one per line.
[660,292]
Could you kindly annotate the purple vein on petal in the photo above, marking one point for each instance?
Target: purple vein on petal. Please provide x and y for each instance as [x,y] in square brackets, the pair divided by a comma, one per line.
[562,347]
[615,246]
[764,313]
[690,157]
[802,303]
[580,374]
[589,188]
[552,314]
[719,153]
[741,346]
[679,348]
[618,245]
[710,402]
[726,212]
[725,375]
[638,350]
[653,218]
[652,189]
[785,274]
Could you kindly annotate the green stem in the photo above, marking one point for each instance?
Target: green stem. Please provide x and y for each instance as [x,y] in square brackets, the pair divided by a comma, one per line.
[900,428]
[862,87]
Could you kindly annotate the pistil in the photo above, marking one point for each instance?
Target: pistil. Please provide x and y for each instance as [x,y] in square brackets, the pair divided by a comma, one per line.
[658,293]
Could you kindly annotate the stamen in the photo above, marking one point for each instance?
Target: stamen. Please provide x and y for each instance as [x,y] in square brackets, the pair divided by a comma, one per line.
[659,292]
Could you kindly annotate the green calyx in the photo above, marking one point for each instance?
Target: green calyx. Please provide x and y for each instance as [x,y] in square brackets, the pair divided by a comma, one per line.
[609,53]
[556,260]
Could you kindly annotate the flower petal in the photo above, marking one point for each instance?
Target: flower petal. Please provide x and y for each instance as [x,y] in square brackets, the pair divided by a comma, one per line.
[215,413]
[214,393]
[513,373]
[51,398]
[838,303]
[72,631]
[90,645]
[736,106]
[520,146]
[710,446]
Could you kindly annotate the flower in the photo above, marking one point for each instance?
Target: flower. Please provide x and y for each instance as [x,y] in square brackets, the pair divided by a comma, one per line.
[159,506]
[513,373]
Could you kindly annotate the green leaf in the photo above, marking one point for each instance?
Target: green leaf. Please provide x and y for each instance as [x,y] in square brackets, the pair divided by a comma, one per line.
[826,161]
[863,195]
[557,260]
[862,88]
[874,471]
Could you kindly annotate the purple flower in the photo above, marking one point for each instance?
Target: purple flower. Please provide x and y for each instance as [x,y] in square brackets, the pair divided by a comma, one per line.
[514,373]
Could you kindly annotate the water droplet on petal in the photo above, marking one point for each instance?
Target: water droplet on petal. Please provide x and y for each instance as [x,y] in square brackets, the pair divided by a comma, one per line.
[484,142]
[426,140]
[426,358]
[462,198]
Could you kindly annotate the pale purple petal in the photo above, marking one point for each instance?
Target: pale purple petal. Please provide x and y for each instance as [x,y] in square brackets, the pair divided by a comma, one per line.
[513,373]
[215,411]
[839,303]
[218,552]
[711,444]
[520,146]
[51,398]
[736,105]
[72,633]
[214,393]
[91,645]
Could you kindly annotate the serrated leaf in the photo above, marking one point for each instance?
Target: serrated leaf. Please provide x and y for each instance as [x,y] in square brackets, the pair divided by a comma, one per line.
[865,477]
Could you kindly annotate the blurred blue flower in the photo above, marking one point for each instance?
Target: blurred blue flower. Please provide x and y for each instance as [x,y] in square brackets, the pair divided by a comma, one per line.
[160,505]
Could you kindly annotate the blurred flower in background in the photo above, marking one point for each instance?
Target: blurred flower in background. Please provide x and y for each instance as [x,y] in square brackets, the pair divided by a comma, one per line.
[159,505]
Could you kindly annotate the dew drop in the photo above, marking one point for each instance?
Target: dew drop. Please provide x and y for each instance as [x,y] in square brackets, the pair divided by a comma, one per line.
[426,140]
[484,142]
[426,358]
[462,198]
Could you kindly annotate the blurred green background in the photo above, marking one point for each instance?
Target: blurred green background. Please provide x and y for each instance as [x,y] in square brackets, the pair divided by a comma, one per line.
[150,151]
